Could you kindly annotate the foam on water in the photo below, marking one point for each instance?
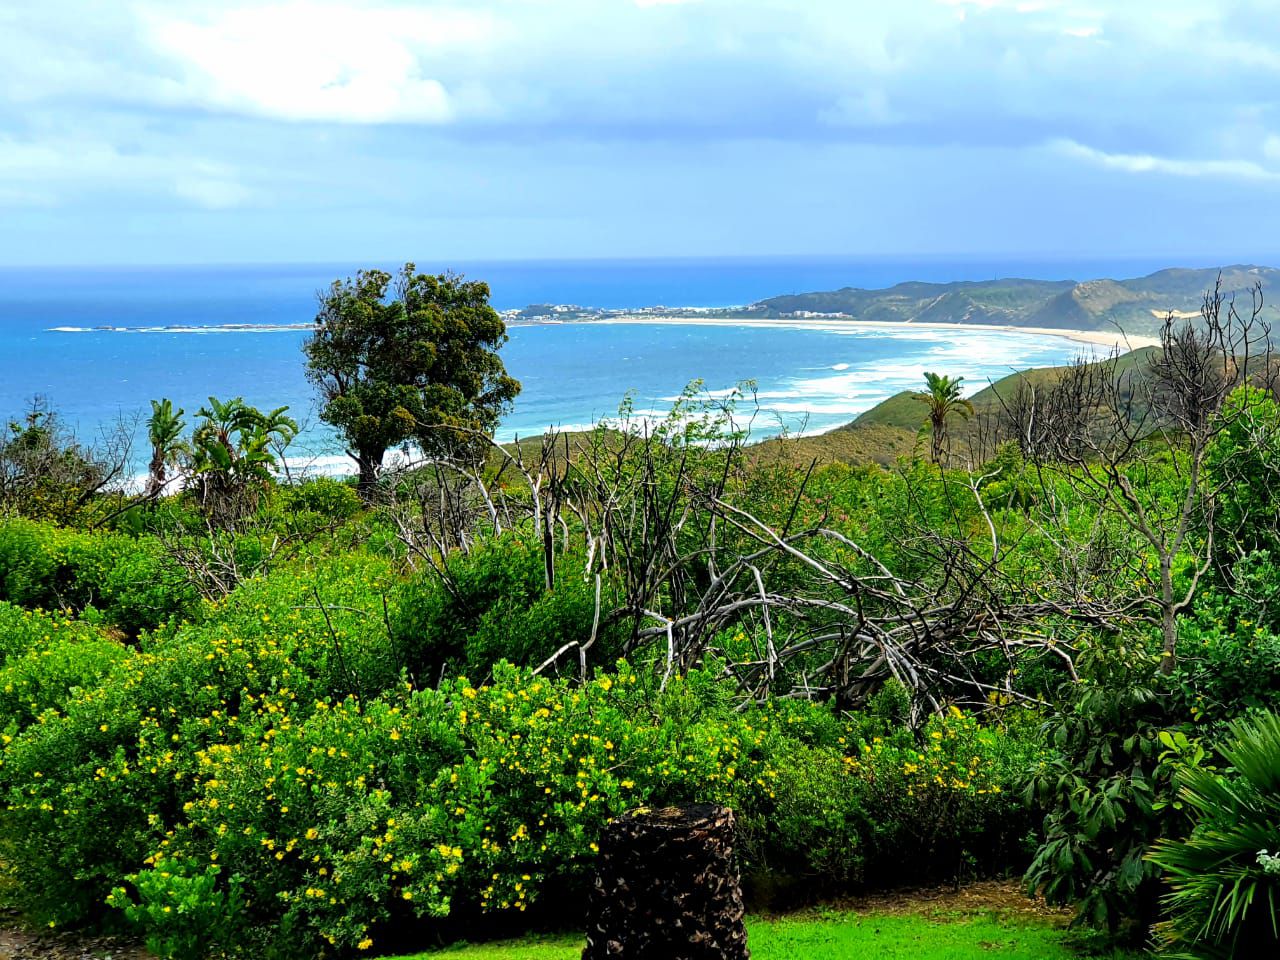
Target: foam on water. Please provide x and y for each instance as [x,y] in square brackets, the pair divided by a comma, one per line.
[809,376]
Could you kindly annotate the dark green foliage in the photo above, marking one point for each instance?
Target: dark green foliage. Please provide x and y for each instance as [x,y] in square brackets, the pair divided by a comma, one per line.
[1243,462]
[1106,789]
[182,910]
[1230,662]
[1224,878]
[492,604]
[323,496]
[233,454]
[56,669]
[122,752]
[420,366]
[334,817]
[125,580]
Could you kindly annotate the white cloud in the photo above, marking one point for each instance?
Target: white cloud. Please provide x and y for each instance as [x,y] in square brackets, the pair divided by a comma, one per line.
[1170,166]
[338,62]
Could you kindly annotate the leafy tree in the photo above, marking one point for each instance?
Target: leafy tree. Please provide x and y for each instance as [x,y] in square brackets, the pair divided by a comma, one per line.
[46,472]
[164,432]
[415,363]
[943,399]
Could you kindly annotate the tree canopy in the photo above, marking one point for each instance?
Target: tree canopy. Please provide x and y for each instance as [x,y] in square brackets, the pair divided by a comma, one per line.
[414,362]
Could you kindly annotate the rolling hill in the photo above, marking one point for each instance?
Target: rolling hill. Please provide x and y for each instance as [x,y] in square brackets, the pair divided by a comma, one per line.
[1136,305]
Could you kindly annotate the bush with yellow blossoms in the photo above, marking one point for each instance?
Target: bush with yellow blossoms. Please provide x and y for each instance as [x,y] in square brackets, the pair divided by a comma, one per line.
[269,767]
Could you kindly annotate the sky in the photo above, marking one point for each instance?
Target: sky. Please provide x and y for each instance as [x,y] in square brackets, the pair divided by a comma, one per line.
[184,131]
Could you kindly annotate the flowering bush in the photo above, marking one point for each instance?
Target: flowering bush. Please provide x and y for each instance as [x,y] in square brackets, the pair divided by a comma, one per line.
[944,798]
[93,783]
[267,769]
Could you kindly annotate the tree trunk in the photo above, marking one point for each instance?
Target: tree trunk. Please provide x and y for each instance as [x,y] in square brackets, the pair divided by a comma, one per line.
[1168,618]
[368,464]
[667,889]
[1169,630]
[156,473]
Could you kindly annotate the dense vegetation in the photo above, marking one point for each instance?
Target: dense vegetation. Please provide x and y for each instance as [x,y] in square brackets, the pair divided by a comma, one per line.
[273,718]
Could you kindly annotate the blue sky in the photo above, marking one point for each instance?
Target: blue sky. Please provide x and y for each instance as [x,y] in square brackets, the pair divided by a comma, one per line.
[182,131]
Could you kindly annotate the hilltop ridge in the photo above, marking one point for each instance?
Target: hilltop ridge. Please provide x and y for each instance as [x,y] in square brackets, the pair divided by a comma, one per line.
[1134,304]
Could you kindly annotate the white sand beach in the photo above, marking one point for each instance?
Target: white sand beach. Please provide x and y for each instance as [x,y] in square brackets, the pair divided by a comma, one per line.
[1111,339]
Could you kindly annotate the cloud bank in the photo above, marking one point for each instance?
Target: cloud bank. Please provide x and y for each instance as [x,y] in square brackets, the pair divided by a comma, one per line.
[509,128]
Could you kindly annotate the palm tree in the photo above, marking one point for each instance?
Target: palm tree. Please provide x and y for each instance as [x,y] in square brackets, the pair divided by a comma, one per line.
[943,399]
[164,431]
[231,453]
[1224,878]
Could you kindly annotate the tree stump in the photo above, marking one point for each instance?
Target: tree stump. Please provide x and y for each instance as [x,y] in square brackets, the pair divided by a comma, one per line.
[666,888]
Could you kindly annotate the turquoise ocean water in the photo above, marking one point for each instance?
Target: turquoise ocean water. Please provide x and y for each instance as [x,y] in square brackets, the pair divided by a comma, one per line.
[809,377]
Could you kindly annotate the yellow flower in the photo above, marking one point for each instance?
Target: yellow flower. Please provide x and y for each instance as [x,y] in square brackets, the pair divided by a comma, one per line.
[364,944]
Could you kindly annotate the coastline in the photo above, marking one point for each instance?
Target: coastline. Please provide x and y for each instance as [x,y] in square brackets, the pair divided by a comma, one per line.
[1111,339]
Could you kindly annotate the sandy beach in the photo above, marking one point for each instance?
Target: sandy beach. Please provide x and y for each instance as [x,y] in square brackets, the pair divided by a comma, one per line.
[1111,339]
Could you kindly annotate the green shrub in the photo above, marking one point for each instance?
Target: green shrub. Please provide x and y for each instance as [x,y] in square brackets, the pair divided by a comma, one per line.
[939,805]
[492,604]
[1224,878]
[45,661]
[126,580]
[182,911]
[325,497]
[1106,790]
[1241,463]
[92,786]
[31,574]
[344,816]
[50,675]
[22,630]
[1229,663]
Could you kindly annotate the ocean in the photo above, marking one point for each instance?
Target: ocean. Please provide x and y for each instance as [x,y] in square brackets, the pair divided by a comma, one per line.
[809,377]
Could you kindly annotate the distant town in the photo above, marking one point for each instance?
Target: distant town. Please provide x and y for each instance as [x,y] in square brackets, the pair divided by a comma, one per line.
[572,313]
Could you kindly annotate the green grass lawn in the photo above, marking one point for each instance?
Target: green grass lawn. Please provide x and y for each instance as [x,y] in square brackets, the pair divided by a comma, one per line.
[836,936]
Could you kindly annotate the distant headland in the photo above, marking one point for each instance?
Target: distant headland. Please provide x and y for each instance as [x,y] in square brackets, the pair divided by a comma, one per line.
[1136,306]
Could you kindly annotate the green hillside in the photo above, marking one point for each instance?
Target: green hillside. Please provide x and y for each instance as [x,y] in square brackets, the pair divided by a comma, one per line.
[1135,305]
[893,428]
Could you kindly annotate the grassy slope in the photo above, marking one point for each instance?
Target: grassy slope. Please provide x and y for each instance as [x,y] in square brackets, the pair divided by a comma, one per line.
[895,427]
[836,936]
